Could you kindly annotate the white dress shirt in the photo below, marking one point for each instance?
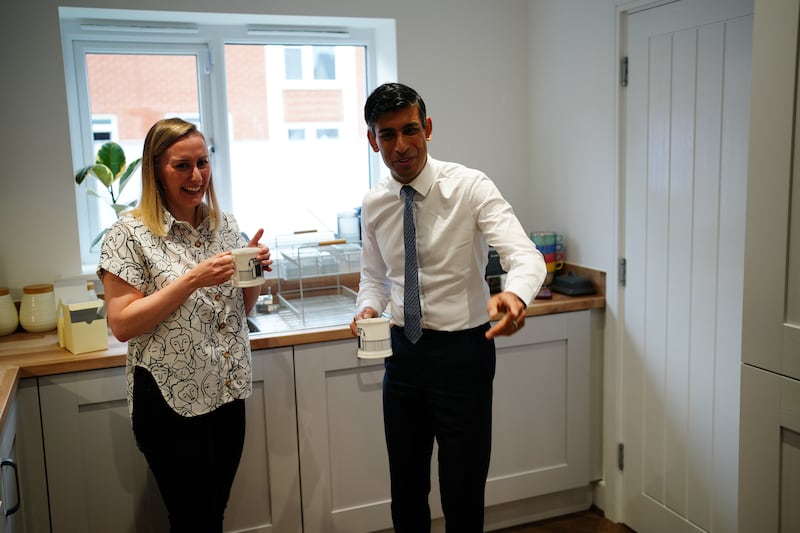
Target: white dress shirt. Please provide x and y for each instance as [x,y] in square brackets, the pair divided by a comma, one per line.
[459,213]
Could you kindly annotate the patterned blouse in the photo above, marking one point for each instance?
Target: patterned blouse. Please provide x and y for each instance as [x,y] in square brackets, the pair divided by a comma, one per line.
[200,354]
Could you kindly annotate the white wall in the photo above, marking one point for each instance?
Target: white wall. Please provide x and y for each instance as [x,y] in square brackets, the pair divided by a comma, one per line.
[468,58]
[571,111]
[573,128]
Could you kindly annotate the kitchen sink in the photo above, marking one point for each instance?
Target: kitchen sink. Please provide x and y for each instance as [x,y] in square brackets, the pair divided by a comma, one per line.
[286,319]
[267,323]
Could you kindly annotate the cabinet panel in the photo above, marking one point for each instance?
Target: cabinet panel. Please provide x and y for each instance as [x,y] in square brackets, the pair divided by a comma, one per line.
[771,313]
[266,492]
[769,451]
[30,454]
[540,429]
[98,480]
[9,486]
[790,480]
[540,442]
[343,463]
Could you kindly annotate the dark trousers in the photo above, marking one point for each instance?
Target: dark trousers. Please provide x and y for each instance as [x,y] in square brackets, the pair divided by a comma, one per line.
[193,459]
[440,388]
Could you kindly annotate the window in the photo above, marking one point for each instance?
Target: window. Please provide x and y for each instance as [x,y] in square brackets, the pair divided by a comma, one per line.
[327,133]
[281,108]
[294,63]
[104,127]
[324,63]
[126,94]
[297,134]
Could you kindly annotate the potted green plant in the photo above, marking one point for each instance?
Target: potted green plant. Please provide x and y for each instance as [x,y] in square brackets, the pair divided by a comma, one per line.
[110,168]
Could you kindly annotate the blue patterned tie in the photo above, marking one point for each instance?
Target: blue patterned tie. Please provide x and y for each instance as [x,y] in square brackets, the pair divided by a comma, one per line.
[413,314]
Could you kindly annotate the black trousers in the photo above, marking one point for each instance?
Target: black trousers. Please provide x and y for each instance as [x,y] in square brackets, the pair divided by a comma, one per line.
[193,459]
[440,388]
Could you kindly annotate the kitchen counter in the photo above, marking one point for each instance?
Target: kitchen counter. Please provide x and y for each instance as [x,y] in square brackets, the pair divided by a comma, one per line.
[24,355]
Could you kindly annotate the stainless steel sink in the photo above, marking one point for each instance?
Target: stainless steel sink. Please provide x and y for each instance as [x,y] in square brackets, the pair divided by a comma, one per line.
[288,320]
[292,313]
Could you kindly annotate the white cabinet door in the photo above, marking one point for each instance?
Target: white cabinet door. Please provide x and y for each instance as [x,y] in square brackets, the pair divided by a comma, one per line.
[98,480]
[343,463]
[266,492]
[541,436]
[30,458]
[769,425]
[541,412]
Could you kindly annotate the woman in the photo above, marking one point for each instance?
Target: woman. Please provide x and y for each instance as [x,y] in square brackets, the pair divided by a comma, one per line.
[166,268]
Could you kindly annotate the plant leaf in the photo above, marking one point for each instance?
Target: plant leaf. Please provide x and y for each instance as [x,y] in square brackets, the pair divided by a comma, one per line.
[81,174]
[113,156]
[98,239]
[128,173]
[119,208]
[104,174]
[92,192]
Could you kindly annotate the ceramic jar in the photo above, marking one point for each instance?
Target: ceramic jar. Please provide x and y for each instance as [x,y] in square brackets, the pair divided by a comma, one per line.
[37,312]
[8,313]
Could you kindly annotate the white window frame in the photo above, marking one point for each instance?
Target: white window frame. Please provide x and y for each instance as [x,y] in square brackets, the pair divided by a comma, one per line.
[204,35]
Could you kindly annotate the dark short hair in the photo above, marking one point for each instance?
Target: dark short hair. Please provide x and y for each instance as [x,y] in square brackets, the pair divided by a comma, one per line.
[391,97]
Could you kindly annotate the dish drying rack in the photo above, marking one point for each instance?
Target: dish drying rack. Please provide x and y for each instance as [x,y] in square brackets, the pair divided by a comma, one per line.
[303,256]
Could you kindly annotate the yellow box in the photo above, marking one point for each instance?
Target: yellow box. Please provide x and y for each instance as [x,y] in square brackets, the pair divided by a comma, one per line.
[81,328]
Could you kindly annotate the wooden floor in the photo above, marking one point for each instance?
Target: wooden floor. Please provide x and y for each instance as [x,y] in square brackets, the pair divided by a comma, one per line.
[591,521]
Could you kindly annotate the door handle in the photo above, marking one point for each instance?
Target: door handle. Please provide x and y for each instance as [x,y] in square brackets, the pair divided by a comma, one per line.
[10,462]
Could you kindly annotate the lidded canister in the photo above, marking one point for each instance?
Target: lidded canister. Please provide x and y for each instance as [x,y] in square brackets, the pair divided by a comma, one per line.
[37,312]
[9,318]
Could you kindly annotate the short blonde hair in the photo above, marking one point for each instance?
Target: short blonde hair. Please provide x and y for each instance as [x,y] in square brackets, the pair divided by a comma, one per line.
[161,136]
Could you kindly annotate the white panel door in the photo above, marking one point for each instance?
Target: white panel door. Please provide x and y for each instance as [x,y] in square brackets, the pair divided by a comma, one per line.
[686,120]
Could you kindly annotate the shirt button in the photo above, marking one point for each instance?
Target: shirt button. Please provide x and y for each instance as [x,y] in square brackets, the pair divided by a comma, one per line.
[197,244]
[228,382]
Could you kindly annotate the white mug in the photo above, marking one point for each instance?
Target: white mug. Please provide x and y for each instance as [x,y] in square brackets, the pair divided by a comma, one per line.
[248,271]
[374,338]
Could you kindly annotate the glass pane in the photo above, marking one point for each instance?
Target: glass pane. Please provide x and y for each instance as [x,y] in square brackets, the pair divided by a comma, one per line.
[324,63]
[299,153]
[327,133]
[127,94]
[294,64]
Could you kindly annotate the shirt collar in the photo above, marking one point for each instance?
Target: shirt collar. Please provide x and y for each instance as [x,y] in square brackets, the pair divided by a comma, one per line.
[423,182]
[169,221]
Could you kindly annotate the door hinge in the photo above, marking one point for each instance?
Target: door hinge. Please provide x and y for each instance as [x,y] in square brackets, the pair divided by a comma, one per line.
[621,456]
[623,264]
[623,72]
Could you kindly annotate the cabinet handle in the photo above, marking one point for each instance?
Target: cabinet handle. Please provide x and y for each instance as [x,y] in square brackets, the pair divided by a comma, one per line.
[10,462]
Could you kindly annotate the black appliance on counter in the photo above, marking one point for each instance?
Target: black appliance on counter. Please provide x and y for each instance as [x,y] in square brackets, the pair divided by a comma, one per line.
[494,272]
[572,284]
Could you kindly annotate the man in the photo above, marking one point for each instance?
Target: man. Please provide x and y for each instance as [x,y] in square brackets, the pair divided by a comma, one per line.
[441,217]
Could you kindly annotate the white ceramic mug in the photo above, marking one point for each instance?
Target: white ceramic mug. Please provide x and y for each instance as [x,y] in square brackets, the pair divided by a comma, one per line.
[248,269]
[374,338]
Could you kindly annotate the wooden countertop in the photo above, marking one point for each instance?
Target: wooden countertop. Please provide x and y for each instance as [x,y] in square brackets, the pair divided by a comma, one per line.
[24,355]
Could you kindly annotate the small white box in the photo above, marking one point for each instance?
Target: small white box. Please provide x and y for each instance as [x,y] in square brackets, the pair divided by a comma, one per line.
[81,328]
